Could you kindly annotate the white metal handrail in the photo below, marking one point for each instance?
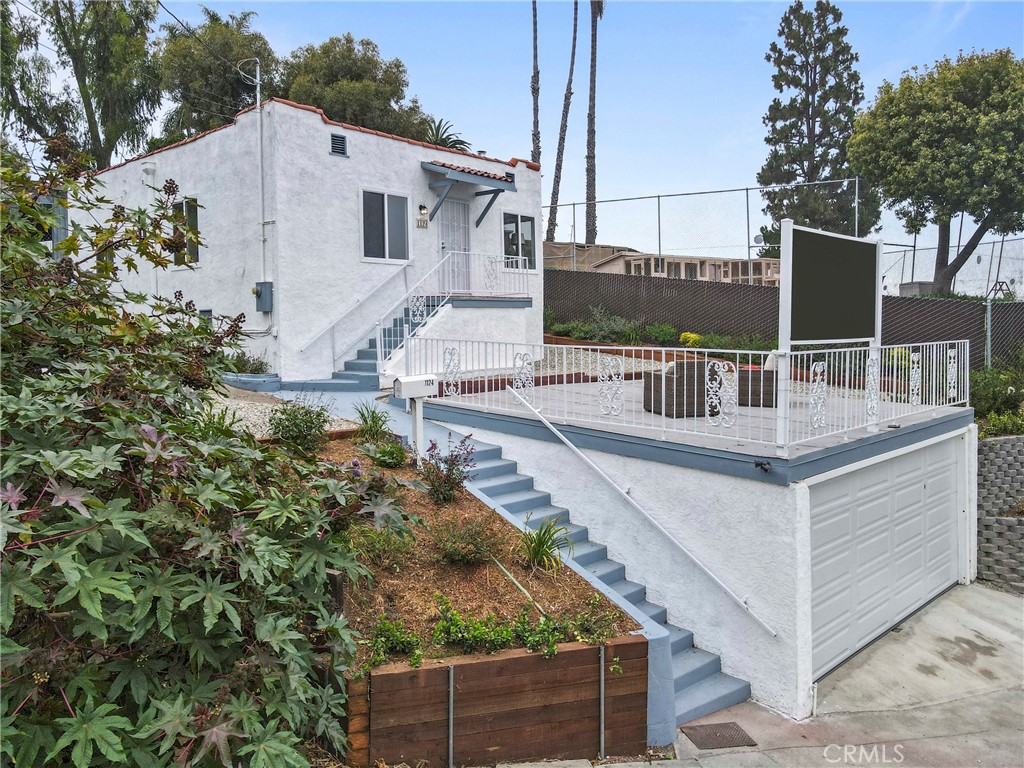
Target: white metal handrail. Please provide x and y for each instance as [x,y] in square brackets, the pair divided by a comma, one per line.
[741,601]
[728,396]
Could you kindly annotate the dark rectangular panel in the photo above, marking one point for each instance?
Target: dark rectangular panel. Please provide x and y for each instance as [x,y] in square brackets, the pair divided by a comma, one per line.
[834,287]
[373,225]
[398,227]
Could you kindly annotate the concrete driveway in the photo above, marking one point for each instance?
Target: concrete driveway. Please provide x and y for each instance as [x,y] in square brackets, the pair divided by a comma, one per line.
[943,690]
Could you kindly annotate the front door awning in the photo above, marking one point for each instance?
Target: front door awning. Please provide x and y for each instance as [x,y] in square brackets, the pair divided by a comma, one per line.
[455,174]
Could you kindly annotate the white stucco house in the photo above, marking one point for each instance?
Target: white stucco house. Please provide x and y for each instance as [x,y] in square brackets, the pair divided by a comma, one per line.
[337,241]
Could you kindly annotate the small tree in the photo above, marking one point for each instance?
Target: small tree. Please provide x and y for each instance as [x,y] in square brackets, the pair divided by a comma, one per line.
[815,66]
[949,140]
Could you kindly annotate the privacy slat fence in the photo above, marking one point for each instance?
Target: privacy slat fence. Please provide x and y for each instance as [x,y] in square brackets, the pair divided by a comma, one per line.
[737,310]
[512,705]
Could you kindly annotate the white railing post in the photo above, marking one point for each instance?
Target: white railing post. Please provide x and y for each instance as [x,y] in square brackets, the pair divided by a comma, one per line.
[782,430]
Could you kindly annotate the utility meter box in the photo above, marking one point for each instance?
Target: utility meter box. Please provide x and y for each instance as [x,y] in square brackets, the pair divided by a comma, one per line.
[408,387]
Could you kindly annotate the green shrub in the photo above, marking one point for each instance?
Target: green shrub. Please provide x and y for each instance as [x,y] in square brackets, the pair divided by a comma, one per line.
[301,422]
[389,453]
[632,336]
[549,319]
[163,581]
[690,339]
[446,475]
[392,637]
[606,327]
[383,547]
[471,635]
[243,362]
[464,542]
[1000,424]
[662,334]
[541,546]
[374,423]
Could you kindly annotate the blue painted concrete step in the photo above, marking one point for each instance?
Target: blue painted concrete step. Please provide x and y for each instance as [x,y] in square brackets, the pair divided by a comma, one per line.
[698,681]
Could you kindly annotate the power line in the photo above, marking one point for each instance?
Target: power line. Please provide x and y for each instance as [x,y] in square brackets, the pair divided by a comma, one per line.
[200,40]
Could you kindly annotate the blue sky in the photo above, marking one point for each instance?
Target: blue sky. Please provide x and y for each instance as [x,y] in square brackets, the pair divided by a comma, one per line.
[682,86]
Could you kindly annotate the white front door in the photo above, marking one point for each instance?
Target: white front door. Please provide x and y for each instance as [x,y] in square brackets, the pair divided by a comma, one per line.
[454,233]
[883,543]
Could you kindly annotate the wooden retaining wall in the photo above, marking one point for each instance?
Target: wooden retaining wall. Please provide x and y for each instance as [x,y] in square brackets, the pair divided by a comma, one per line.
[511,705]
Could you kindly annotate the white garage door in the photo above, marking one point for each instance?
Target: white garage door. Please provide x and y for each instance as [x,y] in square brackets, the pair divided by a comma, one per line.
[883,543]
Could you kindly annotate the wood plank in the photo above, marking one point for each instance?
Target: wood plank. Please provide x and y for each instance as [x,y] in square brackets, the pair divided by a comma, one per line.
[544,714]
[359,740]
[626,741]
[403,751]
[395,700]
[418,712]
[519,662]
[570,739]
[358,757]
[358,723]
[628,703]
[409,733]
[625,686]
[534,680]
[628,647]
[396,679]
[515,701]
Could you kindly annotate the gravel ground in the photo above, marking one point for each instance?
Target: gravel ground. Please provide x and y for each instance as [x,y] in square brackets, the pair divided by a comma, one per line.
[253,410]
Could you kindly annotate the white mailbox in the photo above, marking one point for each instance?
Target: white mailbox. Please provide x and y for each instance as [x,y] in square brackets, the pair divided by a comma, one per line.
[410,387]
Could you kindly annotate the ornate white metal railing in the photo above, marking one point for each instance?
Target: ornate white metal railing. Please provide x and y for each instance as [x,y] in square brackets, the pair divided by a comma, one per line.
[458,273]
[733,395]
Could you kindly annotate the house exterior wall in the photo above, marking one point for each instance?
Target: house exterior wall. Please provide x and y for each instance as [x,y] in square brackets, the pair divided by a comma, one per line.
[314,230]
[753,536]
[219,171]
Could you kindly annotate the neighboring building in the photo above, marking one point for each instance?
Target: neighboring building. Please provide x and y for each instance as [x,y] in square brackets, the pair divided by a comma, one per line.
[354,226]
[716,270]
[579,256]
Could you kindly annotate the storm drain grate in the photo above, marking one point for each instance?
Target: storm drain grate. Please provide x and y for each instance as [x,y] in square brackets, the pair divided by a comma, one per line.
[717,736]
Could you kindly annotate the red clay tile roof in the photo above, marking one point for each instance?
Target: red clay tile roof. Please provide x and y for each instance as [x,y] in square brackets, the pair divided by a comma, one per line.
[474,171]
[347,126]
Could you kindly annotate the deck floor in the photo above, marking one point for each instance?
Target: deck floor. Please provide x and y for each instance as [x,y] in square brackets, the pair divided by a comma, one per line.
[752,431]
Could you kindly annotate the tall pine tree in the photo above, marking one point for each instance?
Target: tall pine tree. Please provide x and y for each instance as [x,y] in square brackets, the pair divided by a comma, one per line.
[808,132]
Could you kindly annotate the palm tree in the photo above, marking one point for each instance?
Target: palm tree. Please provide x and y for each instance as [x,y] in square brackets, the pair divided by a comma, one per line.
[440,133]
[557,178]
[535,90]
[596,12]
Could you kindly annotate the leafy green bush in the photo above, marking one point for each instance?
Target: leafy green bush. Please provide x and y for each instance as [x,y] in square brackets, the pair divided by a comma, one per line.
[463,542]
[301,422]
[549,319]
[1000,424]
[608,328]
[753,341]
[999,389]
[541,546]
[662,334]
[163,588]
[392,637]
[446,475]
[471,635]
[381,547]
[389,453]
[243,362]
[374,423]
[690,339]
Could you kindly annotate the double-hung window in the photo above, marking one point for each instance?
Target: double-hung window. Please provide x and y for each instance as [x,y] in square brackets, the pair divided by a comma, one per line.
[385,226]
[518,235]
[187,210]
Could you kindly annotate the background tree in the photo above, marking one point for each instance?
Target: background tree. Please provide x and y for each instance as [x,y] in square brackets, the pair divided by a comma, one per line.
[201,76]
[949,140]
[441,133]
[808,133]
[596,13]
[350,82]
[535,92]
[556,179]
[114,89]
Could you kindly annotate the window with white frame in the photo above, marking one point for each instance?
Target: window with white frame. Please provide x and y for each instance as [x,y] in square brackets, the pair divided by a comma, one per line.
[187,210]
[385,226]
[673,269]
[659,265]
[519,240]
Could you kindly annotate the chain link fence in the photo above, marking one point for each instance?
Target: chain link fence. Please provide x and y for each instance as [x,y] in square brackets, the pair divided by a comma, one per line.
[739,310]
[997,260]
